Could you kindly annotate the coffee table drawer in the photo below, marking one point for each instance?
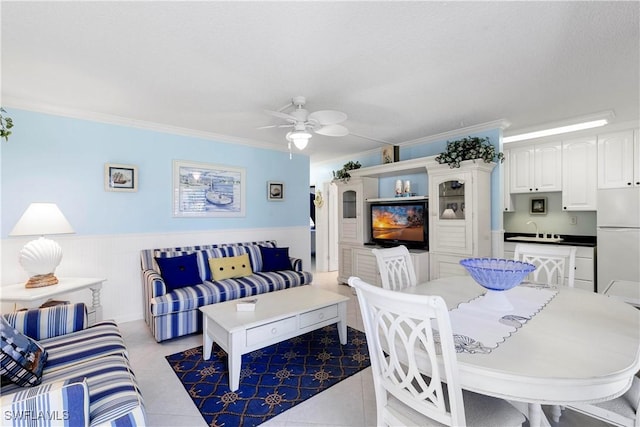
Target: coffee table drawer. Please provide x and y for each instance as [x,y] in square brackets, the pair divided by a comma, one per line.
[316,316]
[271,331]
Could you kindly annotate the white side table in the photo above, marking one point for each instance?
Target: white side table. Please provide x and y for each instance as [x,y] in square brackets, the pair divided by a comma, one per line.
[36,296]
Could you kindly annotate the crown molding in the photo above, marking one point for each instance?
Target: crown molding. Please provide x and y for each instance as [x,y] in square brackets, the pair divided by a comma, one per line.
[496,124]
[139,124]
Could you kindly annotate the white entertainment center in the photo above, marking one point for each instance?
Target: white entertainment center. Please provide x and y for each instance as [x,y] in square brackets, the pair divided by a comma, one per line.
[459,217]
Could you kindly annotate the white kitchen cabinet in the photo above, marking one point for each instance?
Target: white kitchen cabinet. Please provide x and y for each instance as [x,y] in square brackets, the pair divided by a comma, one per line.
[619,159]
[536,168]
[579,183]
[352,215]
[507,203]
[584,270]
[459,214]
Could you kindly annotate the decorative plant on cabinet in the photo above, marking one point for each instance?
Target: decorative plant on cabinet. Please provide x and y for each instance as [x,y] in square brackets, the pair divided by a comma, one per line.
[469,148]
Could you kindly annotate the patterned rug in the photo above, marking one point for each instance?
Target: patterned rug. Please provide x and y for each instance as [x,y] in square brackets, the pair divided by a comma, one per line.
[272,379]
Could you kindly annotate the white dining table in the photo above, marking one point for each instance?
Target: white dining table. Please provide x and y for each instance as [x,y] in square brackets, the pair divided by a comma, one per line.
[580,347]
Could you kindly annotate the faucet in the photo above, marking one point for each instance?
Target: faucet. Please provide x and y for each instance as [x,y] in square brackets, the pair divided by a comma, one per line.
[536,226]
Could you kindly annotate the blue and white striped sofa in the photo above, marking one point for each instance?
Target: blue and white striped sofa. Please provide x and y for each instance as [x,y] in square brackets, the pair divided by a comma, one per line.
[87,379]
[173,314]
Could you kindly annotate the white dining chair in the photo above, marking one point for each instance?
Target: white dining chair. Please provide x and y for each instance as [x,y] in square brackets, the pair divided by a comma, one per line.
[395,266]
[621,411]
[396,325]
[552,263]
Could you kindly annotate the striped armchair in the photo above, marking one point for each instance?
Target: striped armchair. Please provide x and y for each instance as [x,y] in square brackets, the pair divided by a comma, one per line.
[87,379]
[173,313]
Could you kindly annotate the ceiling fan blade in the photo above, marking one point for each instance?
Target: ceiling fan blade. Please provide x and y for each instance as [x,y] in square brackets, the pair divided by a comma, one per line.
[328,117]
[276,126]
[281,115]
[333,130]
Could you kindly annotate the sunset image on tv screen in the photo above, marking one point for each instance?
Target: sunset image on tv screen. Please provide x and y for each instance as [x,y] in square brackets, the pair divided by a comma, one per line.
[399,222]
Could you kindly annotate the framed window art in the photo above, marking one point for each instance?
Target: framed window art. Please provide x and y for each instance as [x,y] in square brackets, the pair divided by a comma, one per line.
[208,190]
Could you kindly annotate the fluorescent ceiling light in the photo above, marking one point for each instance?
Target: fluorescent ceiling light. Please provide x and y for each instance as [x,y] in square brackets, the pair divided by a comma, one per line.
[588,124]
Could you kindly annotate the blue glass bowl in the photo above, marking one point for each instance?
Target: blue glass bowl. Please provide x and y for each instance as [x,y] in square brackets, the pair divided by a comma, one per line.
[497,274]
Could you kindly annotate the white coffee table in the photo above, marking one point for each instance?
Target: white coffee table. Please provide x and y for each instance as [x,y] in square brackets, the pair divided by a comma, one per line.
[278,316]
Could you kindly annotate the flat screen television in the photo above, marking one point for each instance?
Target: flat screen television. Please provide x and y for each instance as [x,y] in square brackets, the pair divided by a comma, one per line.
[400,223]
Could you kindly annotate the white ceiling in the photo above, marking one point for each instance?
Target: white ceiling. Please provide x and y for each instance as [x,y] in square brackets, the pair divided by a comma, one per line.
[400,70]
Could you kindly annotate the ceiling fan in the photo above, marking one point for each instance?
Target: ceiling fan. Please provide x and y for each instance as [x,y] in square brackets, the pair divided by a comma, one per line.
[323,122]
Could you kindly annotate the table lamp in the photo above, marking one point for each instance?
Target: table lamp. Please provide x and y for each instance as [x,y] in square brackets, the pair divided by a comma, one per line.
[41,256]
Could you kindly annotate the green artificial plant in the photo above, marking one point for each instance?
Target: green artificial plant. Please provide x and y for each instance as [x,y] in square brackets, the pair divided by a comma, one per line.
[469,148]
[343,174]
[6,123]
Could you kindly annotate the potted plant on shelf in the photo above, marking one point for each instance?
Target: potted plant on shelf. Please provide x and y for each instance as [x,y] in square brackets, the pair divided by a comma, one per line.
[469,148]
[343,174]
[6,123]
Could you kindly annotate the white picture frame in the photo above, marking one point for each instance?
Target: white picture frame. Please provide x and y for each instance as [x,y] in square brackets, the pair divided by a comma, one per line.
[119,177]
[275,191]
[208,190]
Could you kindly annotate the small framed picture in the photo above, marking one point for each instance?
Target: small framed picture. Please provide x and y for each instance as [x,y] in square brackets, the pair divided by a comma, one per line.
[538,206]
[120,177]
[275,191]
[390,154]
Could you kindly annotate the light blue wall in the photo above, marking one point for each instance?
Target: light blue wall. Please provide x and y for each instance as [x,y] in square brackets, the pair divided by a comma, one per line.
[420,184]
[57,159]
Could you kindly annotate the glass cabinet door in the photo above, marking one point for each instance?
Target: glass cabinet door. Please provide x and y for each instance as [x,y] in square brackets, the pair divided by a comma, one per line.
[451,200]
[349,204]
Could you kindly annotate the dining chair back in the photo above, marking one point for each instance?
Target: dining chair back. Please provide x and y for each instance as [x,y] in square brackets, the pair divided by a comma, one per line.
[621,411]
[409,337]
[553,263]
[396,267]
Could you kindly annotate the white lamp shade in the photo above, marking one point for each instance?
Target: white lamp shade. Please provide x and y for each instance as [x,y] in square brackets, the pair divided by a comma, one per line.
[448,214]
[41,219]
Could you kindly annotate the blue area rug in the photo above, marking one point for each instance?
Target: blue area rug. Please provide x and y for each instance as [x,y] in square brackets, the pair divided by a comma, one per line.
[273,379]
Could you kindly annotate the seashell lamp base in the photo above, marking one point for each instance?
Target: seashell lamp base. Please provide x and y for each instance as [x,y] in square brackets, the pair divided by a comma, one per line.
[41,281]
[40,258]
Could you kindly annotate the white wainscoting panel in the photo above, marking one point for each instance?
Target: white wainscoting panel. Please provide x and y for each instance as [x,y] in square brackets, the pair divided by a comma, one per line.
[117,259]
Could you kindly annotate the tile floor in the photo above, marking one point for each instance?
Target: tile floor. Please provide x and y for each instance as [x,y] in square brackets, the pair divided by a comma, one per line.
[348,403]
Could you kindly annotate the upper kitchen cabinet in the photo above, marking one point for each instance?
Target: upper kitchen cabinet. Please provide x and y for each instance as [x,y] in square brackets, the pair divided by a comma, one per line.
[619,160]
[536,168]
[579,186]
[507,201]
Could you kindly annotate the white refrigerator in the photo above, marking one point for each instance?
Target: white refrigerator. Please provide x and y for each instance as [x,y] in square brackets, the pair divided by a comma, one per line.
[618,233]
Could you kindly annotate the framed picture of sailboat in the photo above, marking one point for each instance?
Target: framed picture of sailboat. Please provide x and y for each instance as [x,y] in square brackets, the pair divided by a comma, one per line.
[120,177]
[208,190]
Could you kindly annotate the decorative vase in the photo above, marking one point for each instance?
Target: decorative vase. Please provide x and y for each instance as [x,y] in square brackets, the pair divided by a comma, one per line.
[399,187]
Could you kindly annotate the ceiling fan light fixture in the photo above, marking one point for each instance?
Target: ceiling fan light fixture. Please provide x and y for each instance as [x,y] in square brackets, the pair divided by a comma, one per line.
[300,138]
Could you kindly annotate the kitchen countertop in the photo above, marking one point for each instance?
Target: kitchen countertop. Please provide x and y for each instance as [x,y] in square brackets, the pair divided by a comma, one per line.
[568,240]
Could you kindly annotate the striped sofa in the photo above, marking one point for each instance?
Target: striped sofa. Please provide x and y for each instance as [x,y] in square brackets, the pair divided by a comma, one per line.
[87,379]
[175,313]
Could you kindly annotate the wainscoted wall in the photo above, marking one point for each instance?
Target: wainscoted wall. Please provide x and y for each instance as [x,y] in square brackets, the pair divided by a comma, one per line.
[117,258]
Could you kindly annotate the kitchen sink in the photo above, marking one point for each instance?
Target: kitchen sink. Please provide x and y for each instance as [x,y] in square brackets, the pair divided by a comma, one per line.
[536,239]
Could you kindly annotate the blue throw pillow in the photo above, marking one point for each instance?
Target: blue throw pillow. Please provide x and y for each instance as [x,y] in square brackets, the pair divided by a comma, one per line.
[275,259]
[22,359]
[179,271]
